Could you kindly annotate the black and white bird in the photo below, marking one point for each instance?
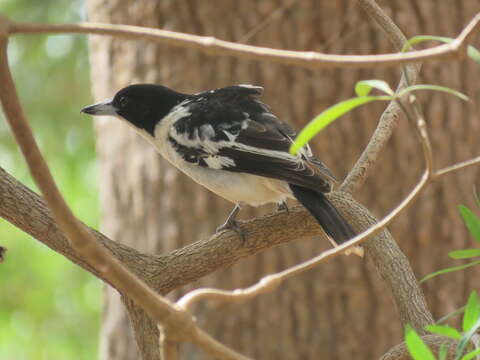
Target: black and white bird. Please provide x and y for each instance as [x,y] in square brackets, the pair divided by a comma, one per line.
[230,142]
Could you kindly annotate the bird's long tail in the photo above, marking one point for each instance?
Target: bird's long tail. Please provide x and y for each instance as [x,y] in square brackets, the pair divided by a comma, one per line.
[324,212]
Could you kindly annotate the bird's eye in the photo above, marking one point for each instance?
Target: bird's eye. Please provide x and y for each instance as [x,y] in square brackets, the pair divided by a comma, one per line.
[123,101]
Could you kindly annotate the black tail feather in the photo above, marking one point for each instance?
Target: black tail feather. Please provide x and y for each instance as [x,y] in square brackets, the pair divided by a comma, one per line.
[324,212]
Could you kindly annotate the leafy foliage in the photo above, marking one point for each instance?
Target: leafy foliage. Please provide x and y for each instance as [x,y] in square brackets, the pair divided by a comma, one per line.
[472,222]
[362,89]
[413,88]
[328,116]
[471,316]
[417,348]
[471,355]
[471,323]
[449,270]
[472,311]
[472,52]
[444,330]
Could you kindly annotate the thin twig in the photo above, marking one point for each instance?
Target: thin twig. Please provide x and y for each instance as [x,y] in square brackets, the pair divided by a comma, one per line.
[389,119]
[455,167]
[80,239]
[273,280]
[418,121]
[384,22]
[74,229]
[270,282]
[158,307]
[178,267]
[213,46]
[215,348]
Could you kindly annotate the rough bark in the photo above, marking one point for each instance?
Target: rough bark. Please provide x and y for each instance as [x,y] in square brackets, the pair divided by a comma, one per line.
[434,342]
[144,199]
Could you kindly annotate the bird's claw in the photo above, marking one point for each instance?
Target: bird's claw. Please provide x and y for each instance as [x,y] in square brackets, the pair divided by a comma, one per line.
[234,226]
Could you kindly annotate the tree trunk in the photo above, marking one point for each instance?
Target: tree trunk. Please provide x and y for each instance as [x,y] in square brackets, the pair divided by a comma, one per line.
[342,306]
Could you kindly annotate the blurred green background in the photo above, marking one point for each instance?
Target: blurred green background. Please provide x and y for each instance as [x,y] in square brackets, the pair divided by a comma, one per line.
[50,308]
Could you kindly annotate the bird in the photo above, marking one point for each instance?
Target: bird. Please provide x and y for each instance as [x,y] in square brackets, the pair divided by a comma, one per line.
[230,142]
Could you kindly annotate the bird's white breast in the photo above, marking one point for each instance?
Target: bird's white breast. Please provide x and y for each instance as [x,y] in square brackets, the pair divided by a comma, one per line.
[233,186]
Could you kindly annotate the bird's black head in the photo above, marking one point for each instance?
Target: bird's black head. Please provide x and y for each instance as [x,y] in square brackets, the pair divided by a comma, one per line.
[142,105]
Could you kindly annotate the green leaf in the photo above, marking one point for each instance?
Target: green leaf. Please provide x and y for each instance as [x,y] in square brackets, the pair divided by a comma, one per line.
[434,88]
[471,355]
[472,52]
[465,340]
[444,330]
[449,315]
[448,270]
[464,254]
[363,87]
[442,352]
[472,311]
[471,220]
[416,347]
[422,38]
[329,115]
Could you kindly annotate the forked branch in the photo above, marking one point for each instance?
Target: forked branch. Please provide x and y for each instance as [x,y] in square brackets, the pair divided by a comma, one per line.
[178,324]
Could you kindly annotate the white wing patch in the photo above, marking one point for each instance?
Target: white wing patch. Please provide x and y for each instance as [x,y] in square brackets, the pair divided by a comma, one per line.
[197,141]
[202,138]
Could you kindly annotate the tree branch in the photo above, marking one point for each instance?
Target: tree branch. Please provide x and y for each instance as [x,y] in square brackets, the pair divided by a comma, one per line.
[384,22]
[151,268]
[26,210]
[455,167]
[405,300]
[416,310]
[389,119]
[400,351]
[164,273]
[82,241]
[212,46]
[271,281]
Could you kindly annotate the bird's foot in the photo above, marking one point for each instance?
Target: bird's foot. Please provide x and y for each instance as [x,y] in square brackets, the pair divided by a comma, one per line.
[233,225]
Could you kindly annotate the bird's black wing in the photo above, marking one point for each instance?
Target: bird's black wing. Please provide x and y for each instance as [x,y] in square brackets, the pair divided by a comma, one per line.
[229,129]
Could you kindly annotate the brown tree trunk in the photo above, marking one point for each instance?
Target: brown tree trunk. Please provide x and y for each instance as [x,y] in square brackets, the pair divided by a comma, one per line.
[342,307]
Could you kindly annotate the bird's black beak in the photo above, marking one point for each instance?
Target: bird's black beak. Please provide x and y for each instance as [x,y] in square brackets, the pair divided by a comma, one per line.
[100,109]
